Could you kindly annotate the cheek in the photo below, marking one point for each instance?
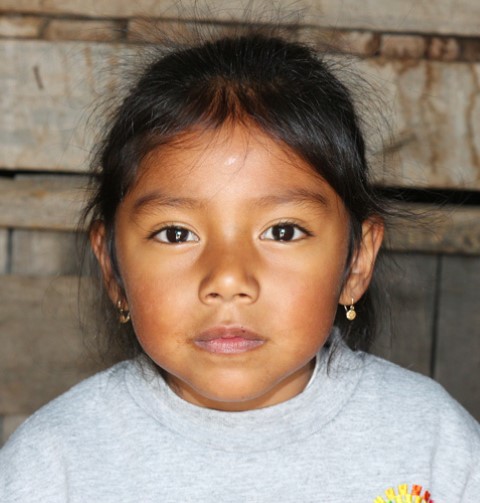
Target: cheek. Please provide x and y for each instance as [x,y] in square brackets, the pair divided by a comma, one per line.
[314,277]
[307,300]
[156,299]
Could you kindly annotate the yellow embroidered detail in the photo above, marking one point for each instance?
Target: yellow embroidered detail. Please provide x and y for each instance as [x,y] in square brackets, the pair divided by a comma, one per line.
[404,495]
[390,493]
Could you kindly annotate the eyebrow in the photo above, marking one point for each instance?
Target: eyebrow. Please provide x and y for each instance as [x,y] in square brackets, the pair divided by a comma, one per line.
[156,199]
[292,196]
[295,196]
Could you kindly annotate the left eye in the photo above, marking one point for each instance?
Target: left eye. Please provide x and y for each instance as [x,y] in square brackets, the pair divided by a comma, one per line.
[175,235]
[284,232]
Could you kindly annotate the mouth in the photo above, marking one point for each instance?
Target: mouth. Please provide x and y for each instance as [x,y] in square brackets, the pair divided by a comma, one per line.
[228,340]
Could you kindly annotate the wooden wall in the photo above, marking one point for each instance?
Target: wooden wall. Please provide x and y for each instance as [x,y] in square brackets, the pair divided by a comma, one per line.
[423,58]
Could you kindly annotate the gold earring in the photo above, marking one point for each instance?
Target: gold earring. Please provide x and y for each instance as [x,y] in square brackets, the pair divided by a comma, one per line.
[350,313]
[123,314]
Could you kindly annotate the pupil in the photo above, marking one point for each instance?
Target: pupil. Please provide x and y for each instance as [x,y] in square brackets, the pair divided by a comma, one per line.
[283,232]
[175,235]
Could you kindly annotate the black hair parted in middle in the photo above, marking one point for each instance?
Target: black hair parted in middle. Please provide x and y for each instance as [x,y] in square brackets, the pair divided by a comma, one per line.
[287,89]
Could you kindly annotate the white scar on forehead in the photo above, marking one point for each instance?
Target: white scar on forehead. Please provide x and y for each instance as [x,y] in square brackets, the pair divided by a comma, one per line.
[231,160]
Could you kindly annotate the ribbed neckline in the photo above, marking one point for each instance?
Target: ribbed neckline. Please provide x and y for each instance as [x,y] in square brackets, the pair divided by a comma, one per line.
[331,386]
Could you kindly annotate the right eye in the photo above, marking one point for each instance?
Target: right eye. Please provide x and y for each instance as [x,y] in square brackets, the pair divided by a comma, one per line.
[175,234]
[285,232]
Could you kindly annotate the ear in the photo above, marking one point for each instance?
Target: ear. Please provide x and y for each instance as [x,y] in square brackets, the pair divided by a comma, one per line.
[98,241]
[362,266]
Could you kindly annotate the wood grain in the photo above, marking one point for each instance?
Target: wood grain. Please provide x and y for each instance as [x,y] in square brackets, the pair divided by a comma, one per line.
[41,202]
[444,16]
[3,250]
[433,108]
[43,351]
[44,253]
[408,299]
[457,359]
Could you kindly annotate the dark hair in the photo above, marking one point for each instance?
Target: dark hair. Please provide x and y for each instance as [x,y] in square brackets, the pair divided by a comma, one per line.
[285,88]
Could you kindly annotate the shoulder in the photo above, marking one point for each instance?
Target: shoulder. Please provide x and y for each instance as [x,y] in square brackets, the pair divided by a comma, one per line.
[68,414]
[408,413]
[402,387]
[411,403]
[34,462]
[81,401]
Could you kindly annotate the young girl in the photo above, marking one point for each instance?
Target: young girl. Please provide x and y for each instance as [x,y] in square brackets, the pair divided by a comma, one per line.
[236,231]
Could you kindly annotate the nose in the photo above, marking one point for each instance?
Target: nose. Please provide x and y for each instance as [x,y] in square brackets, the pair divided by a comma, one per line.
[229,275]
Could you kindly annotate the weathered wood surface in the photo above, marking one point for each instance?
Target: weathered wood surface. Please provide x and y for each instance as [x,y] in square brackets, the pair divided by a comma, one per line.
[45,253]
[48,94]
[42,347]
[47,91]
[435,114]
[442,16]
[449,229]
[3,250]
[41,202]
[21,26]
[457,360]
[408,298]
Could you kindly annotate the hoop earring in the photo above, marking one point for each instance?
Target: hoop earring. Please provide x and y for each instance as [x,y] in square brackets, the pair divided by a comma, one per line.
[350,313]
[123,314]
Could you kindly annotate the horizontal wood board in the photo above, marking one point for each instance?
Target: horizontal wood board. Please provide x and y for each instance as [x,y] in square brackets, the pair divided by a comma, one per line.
[440,16]
[47,120]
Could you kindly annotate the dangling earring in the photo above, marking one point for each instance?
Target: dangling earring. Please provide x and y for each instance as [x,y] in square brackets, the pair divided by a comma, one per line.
[123,314]
[350,313]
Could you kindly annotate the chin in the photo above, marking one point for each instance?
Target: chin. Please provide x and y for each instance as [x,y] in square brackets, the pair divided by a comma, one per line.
[236,399]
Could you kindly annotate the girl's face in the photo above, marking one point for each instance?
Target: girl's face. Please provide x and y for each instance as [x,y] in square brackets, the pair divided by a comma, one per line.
[233,254]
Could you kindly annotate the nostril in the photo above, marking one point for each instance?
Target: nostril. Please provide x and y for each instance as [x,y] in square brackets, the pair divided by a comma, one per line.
[215,295]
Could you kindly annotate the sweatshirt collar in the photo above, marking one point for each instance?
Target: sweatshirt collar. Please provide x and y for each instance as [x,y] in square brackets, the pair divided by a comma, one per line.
[333,382]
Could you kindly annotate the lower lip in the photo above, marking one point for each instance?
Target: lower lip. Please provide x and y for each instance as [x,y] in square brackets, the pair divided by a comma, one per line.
[230,345]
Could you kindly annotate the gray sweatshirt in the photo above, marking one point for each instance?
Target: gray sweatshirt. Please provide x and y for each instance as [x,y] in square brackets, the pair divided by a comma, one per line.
[363,431]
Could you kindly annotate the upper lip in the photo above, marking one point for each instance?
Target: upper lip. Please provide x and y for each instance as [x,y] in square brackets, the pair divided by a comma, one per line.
[228,332]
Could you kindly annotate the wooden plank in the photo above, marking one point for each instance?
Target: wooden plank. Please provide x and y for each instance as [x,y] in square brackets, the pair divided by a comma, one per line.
[3,251]
[443,16]
[434,112]
[457,364]
[407,298]
[47,90]
[41,202]
[80,29]
[44,253]
[48,94]
[43,351]
[450,229]
[21,26]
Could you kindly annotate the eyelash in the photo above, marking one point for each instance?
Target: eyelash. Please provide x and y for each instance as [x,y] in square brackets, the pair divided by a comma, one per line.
[177,231]
[295,226]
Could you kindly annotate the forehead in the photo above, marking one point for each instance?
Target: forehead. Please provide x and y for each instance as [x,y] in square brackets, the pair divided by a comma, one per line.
[231,162]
